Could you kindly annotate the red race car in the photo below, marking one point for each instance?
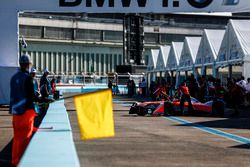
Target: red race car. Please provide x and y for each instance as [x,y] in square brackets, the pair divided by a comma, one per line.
[172,107]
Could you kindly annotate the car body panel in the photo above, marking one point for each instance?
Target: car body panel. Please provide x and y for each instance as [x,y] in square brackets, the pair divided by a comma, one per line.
[145,108]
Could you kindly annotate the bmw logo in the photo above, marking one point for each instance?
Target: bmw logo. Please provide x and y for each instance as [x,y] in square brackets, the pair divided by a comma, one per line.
[200,3]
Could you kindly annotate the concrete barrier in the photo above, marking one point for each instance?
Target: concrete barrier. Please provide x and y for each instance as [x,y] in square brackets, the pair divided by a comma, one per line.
[53,144]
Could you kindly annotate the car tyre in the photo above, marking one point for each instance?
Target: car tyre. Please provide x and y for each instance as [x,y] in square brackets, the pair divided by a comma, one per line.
[142,113]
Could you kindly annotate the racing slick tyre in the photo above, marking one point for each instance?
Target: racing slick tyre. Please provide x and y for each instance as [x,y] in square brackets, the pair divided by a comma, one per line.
[141,113]
[218,108]
[133,109]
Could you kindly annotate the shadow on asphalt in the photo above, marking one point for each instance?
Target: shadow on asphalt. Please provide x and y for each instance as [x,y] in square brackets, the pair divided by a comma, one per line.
[120,110]
[240,123]
[5,155]
[71,110]
[130,116]
[243,146]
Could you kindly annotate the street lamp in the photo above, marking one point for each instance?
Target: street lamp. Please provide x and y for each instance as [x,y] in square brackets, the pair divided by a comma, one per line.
[22,44]
[129,75]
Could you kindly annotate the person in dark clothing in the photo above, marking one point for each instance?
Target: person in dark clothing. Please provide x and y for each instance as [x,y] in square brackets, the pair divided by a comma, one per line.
[36,89]
[185,96]
[192,85]
[219,90]
[22,97]
[152,89]
[45,90]
[53,86]
[45,87]
[133,87]
[38,119]
[144,87]
[110,84]
[129,86]
[202,88]
[237,98]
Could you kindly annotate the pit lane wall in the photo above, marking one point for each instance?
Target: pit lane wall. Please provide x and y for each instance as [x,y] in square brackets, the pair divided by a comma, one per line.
[52,145]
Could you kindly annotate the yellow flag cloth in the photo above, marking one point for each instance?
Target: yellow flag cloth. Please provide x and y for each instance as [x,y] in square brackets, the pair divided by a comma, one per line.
[95,114]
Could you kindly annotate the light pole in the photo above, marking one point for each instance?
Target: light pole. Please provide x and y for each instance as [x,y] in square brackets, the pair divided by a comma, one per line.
[129,75]
[22,44]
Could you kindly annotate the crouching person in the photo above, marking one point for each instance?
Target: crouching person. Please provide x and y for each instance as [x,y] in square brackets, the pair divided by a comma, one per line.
[22,108]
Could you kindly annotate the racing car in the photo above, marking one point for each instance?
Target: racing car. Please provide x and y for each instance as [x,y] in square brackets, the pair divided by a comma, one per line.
[172,107]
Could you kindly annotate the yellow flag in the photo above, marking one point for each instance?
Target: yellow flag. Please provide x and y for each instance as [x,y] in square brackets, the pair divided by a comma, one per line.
[95,114]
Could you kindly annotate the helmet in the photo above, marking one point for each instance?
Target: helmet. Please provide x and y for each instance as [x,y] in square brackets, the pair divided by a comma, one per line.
[33,70]
[25,59]
[46,70]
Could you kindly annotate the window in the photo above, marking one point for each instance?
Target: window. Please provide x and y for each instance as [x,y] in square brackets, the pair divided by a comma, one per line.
[58,33]
[151,38]
[230,2]
[113,36]
[168,38]
[88,34]
[30,31]
[222,57]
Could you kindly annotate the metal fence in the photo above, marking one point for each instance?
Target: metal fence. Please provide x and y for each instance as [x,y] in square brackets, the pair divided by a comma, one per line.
[98,81]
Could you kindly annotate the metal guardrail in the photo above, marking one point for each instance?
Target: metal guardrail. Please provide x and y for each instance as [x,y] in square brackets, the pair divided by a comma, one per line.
[95,78]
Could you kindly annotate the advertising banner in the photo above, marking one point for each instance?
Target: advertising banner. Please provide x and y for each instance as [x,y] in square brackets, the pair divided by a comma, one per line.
[132,6]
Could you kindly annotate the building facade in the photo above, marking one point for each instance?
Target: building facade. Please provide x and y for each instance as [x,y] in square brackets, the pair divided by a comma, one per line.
[73,45]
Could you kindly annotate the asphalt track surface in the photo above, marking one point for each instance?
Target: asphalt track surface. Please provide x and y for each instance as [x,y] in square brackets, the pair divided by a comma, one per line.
[166,141]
